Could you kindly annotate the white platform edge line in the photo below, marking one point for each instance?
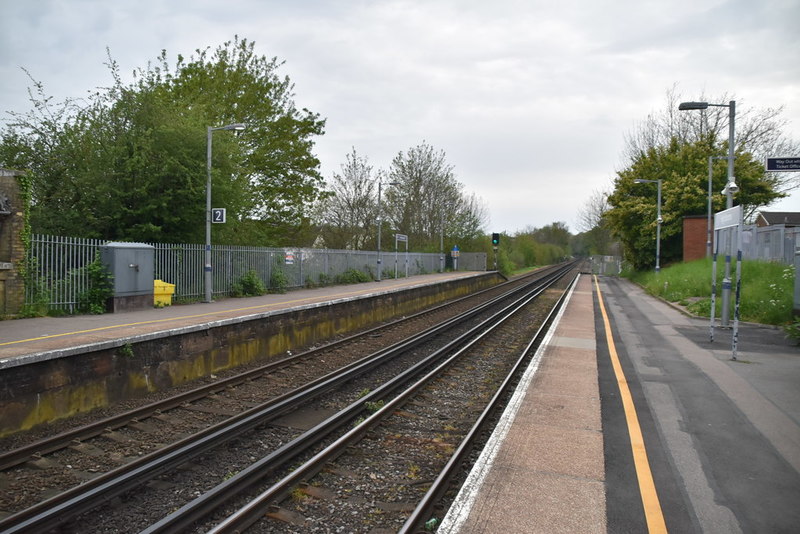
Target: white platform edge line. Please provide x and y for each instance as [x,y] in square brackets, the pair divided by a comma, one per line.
[462,505]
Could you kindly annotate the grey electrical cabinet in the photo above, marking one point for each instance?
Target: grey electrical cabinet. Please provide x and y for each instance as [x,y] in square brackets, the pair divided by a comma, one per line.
[132,266]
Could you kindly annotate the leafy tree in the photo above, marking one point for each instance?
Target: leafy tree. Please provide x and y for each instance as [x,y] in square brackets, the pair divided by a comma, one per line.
[556,233]
[429,202]
[131,162]
[758,131]
[348,214]
[595,236]
[683,169]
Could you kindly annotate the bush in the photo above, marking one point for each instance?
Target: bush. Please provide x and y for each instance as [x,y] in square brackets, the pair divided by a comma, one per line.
[278,282]
[93,300]
[352,276]
[249,285]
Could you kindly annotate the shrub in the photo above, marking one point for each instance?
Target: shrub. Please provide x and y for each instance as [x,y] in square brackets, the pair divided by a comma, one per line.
[278,282]
[249,285]
[352,276]
[93,300]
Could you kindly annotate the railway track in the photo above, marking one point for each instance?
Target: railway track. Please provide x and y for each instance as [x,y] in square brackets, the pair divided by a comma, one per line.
[221,434]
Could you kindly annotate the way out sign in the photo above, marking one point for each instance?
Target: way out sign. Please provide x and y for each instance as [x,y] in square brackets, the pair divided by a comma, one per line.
[783,164]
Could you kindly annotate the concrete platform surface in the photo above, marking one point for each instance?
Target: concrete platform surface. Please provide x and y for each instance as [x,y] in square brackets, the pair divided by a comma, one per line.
[543,469]
[19,337]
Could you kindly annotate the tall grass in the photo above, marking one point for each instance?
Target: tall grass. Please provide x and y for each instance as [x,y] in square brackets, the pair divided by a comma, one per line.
[767,289]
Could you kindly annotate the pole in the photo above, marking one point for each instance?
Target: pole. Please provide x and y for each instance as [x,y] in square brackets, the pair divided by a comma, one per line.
[379,230]
[207,266]
[726,280]
[708,225]
[441,243]
[658,231]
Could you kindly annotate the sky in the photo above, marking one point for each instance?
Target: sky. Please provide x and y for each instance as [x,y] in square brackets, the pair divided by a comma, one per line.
[530,101]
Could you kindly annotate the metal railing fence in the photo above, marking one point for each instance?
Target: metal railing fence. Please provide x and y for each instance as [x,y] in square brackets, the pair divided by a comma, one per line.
[770,243]
[58,273]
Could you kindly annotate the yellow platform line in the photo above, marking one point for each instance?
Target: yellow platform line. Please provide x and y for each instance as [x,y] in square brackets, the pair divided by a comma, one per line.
[647,488]
[168,319]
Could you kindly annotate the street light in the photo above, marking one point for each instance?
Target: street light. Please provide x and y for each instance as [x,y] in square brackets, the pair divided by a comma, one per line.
[708,223]
[730,189]
[658,220]
[380,183]
[207,268]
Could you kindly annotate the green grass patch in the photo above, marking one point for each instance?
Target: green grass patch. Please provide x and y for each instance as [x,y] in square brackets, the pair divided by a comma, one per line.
[767,288]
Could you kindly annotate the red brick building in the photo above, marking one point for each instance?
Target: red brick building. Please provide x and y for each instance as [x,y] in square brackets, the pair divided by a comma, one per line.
[695,234]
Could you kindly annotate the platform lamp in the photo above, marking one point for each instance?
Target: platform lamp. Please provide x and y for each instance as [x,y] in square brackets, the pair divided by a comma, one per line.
[730,189]
[659,220]
[380,183]
[207,267]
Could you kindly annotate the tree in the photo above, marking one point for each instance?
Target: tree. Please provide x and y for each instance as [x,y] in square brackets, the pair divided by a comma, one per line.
[595,236]
[348,214]
[757,131]
[130,163]
[429,202]
[683,169]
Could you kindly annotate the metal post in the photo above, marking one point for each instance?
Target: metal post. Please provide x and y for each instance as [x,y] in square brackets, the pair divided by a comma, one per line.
[441,243]
[708,225]
[207,266]
[710,205]
[658,231]
[726,280]
[379,225]
[379,230]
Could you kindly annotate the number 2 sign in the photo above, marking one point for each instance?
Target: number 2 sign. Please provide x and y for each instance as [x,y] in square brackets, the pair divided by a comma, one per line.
[218,215]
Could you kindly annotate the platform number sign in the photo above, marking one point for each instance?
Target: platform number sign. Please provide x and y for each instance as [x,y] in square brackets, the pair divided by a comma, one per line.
[218,215]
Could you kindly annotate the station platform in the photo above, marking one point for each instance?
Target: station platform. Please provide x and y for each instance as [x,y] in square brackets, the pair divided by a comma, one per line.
[629,419]
[25,337]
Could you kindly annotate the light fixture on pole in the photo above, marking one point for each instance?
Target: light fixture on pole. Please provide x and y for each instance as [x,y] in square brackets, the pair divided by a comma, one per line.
[207,267]
[730,189]
[380,183]
[659,220]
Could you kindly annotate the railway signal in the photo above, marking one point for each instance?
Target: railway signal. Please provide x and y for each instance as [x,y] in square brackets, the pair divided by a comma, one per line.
[495,239]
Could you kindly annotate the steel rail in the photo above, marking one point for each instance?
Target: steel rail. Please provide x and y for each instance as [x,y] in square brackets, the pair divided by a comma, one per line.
[71,503]
[255,509]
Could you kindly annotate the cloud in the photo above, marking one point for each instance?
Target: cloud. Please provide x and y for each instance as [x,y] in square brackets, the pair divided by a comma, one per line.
[529,100]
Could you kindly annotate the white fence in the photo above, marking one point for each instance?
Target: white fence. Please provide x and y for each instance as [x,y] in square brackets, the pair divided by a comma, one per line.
[58,275]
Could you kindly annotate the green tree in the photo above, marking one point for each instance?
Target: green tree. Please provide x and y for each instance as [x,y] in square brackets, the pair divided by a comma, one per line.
[428,202]
[683,170]
[130,162]
[348,214]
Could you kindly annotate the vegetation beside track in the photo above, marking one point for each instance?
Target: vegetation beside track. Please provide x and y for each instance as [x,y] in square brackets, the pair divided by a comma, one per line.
[766,292]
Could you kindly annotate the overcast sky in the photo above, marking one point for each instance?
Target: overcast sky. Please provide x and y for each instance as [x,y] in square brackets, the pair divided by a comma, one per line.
[529,100]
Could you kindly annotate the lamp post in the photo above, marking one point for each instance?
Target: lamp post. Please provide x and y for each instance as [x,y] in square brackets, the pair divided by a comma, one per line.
[207,266]
[658,220]
[730,189]
[708,224]
[380,183]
